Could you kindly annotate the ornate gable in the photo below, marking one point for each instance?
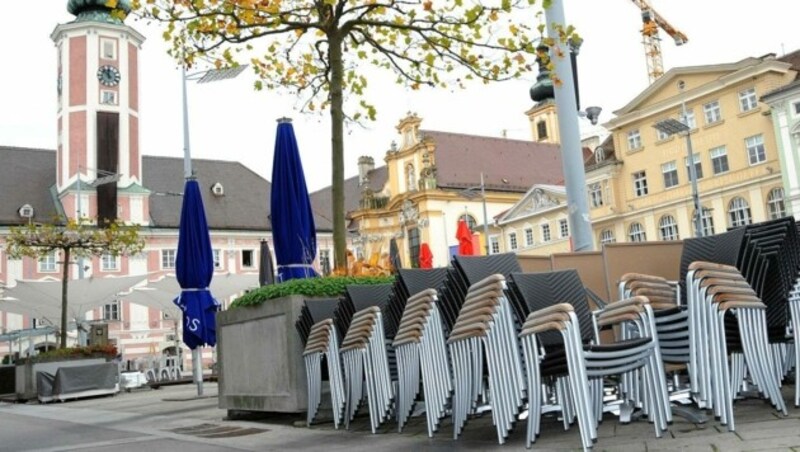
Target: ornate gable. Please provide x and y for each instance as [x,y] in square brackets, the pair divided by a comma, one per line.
[540,198]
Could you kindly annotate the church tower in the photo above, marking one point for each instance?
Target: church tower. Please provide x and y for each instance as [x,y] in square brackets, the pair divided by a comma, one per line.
[543,116]
[99,163]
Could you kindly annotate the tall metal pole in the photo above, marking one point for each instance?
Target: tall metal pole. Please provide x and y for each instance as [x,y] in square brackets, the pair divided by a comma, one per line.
[197,364]
[485,218]
[698,213]
[187,154]
[571,153]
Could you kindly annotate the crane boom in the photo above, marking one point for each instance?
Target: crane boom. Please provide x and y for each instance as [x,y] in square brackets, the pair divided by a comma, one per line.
[652,22]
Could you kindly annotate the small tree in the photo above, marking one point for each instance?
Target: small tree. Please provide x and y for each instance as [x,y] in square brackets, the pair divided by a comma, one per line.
[315,47]
[74,239]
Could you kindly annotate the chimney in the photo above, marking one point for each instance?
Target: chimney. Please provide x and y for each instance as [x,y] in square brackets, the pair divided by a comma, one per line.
[365,165]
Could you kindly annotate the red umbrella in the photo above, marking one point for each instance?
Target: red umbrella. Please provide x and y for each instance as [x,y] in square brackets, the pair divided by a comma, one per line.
[425,256]
[464,236]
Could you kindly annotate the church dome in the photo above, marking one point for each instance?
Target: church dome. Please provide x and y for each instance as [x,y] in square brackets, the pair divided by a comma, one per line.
[98,10]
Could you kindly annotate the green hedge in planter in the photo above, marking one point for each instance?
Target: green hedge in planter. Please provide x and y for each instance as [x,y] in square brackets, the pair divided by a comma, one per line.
[63,354]
[332,286]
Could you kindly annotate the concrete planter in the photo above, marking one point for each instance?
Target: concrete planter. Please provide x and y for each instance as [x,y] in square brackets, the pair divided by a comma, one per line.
[259,355]
[25,378]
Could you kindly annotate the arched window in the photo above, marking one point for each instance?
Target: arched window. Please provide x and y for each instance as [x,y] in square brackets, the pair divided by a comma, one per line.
[706,222]
[471,223]
[739,213]
[668,228]
[775,204]
[636,233]
[607,236]
[411,178]
[599,154]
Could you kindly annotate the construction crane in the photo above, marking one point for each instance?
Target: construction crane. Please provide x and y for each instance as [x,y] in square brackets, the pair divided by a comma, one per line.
[652,42]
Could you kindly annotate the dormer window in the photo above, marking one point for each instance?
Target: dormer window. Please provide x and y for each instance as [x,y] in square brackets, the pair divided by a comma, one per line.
[26,211]
[599,155]
[217,189]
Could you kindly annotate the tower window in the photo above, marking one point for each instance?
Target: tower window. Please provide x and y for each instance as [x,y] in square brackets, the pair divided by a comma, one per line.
[541,130]
[108,97]
[108,49]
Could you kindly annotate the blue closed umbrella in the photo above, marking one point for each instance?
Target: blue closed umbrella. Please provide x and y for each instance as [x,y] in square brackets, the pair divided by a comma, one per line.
[194,267]
[293,228]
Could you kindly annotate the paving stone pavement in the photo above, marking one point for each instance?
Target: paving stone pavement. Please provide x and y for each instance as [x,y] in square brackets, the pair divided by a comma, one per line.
[171,414]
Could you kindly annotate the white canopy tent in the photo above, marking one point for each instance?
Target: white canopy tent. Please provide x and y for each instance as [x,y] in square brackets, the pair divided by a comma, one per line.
[43,298]
[223,286]
[153,298]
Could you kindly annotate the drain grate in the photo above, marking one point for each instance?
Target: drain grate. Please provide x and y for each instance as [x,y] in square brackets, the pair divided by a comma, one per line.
[217,431]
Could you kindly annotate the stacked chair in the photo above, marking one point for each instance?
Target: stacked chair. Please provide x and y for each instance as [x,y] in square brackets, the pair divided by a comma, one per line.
[318,332]
[484,333]
[420,343]
[364,352]
[561,346]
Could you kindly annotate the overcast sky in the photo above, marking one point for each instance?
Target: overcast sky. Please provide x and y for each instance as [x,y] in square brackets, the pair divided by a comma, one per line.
[231,121]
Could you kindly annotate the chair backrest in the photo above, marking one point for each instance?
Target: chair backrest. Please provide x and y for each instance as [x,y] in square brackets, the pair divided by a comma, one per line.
[535,264]
[720,248]
[542,290]
[590,268]
[321,308]
[366,295]
[622,258]
[416,280]
[476,268]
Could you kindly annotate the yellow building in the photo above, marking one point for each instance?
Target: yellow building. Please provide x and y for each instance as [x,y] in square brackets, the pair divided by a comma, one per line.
[431,179]
[638,179]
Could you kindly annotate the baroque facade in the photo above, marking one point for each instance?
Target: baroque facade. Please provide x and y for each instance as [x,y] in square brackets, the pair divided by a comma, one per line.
[638,180]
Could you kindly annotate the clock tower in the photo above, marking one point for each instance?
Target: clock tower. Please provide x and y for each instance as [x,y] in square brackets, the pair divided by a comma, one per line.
[99,163]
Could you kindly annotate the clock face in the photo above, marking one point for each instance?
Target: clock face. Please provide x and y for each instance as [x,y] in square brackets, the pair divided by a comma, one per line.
[108,75]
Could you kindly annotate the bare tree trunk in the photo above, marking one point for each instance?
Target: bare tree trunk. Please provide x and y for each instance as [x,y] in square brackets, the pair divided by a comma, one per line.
[64,287]
[337,152]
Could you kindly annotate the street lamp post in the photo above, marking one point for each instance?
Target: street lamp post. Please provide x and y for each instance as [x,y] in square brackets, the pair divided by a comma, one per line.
[571,149]
[206,76]
[469,193]
[672,126]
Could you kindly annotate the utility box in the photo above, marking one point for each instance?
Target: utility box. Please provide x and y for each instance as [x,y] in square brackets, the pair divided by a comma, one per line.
[98,334]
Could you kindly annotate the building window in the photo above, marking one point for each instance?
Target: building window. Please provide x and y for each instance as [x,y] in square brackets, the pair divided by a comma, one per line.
[634,140]
[607,236]
[413,246]
[247,259]
[563,228]
[471,223]
[494,245]
[109,263]
[545,232]
[698,167]
[108,97]
[712,112]
[111,311]
[640,183]
[706,222]
[599,155]
[739,212]
[512,241]
[668,228]
[661,135]
[528,236]
[747,100]
[541,130]
[636,233]
[108,49]
[596,195]
[796,107]
[411,178]
[325,261]
[719,160]
[670,171]
[47,263]
[775,204]
[755,149]
[167,259]
[217,258]
[687,118]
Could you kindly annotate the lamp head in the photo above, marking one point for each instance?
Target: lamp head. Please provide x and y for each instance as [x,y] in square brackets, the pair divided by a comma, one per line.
[593,114]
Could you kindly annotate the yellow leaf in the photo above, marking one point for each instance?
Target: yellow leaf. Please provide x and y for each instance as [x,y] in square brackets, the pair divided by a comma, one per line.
[111,3]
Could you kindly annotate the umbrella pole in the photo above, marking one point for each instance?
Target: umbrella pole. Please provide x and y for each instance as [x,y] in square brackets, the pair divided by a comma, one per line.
[197,370]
